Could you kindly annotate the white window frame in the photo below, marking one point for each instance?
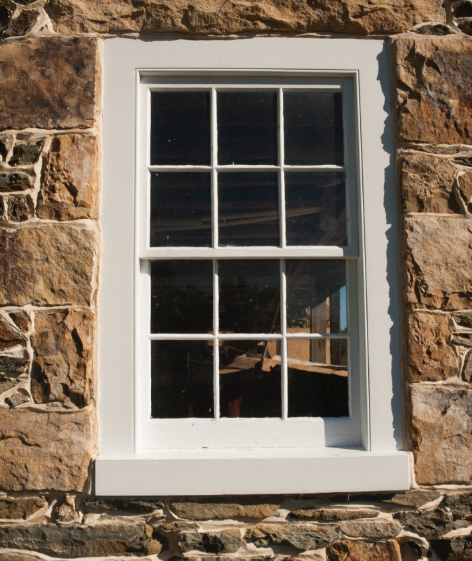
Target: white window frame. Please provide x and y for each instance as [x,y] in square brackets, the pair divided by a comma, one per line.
[128,463]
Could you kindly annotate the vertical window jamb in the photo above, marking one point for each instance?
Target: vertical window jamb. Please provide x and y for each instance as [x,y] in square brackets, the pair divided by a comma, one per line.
[283,242]
[215,342]
[283,342]
[214,174]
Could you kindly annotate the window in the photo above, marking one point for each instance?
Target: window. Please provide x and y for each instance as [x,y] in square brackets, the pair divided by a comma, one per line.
[248,293]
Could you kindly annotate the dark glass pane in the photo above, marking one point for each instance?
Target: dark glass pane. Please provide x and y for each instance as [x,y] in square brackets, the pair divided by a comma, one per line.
[181,379]
[249,296]
[315,208]
[316,296]
[180,128]
[313,128]
[181,209]
[247,128]
[317,378]
[248,209]
[181,296]
[249,379]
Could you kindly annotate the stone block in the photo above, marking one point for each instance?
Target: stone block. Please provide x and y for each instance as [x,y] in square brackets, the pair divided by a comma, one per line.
[22,23]
[26,150]
[49,82]
[69,183]
[224,508]
[21,509]
[226,541]
[427,184]
[364,551]
[299,536]
[130,506]
[47,265]
[457,549]
[45,450]
[434,88]
[332,514]
[430,524]
[63,351]
[371,529]
[440,434]
[438,253]
[416,498]
[10,335]
[20,208]
[213,17]
[430,354]
[10,182]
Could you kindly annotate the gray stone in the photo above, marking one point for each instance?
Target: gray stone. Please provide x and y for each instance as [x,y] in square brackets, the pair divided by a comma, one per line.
[460,505]
[416,498]
[226,541]
[132,506]
[6,383]
[12,509]
[467,368]
[205,509]
[13,365]
[26,153]
[20,208]
[438,29]
[10,182]
[429,524]
[17,399]
[331,514]
[371,529]
[22,23]
[457,549]
[299,536]
[463,339]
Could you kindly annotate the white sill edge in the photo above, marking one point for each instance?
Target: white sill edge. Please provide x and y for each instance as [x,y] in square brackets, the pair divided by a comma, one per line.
[179,472]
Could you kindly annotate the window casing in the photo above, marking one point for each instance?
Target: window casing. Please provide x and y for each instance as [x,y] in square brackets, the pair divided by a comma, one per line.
[161,450]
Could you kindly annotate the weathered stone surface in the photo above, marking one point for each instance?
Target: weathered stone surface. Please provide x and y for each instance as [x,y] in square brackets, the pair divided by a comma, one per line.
[10,335]
[460,505]
[22,23]
[429,524]
[47,264]
[11,509]
[427,184]
[464,184]
[5,16]
[13,365]
[332,514]
[69,182]
[6,556]
[48,82]
[20,208]
[6,383]
[214,17]
[466,26]
[457,549]
[467,368]
[434,29]
[132,506]
[364,551]
[63,350]
[65,512]
[10,182]
[416,498]
[41,451]
[441,437]
[18,398]
[26,152]
[22,320]
[438,255]
[224,508]
[434,89]
[226,541]
[99,540]
[371,529]
[300,536]
[430,354]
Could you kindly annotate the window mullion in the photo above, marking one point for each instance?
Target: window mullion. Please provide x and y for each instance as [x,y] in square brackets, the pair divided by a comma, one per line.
[214,173]
[283,241]
[216,347]
[283,342]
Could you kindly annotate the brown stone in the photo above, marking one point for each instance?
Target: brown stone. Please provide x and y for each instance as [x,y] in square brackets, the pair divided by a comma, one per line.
[22,23]
[464,183]
[222,18]
[427,184]
[434,89]
[62,365]
[371,529]
[416,498]
[10,182]
[430,355]
[22,320]
[48,82]
[438,257]
[332,514]
[441,436]
[45,450]
[47,264]
[20,208]
[69,182]
[10,336]
[223,509]
[5,556]
[65,511]
[11,509]
[364,551]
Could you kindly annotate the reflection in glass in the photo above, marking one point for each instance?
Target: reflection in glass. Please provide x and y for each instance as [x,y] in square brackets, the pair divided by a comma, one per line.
[316,296]
[249,379]
[180,209]
[180,128]
[315,208]
[247,127]
[317,378]
[181,379]
[313,128]
[248,212]
[249,296]
[181,296]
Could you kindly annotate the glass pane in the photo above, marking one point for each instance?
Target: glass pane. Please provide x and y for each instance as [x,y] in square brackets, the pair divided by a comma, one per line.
[248,209]
[249,296]
[181,296]
[180,128]
[247,128]
[249,379]
[317,378]
[181,379]
[316,296]
[313,128]
[315,208]
[180,209]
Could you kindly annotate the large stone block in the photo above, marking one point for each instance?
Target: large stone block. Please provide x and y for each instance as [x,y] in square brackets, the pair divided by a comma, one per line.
[438,256]
[434,89]
[441,436]
[430,355]
[222,18]
[364,551]
[62,365]
[45,451]
[69,183]
[47,265]
[299,536]
[224,508]
[49,82]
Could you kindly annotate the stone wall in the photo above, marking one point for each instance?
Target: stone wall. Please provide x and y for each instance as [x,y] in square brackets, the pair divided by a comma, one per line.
[50,74]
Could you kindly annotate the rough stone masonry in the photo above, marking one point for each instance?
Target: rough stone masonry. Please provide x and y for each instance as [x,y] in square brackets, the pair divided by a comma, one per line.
[50,87]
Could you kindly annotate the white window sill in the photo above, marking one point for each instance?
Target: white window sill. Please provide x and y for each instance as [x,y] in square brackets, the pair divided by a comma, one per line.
[252,471]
